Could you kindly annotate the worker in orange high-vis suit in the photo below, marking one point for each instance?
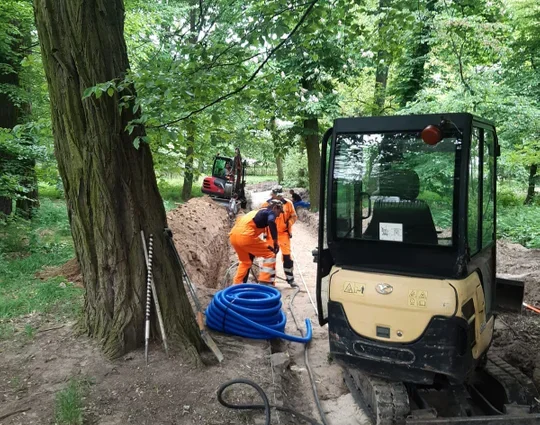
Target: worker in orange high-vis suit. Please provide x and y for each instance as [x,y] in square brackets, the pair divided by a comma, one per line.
[246,241]
[284,226]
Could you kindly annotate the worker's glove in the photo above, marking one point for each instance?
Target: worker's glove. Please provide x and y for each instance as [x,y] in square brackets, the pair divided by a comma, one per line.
[276,248]
[290,234]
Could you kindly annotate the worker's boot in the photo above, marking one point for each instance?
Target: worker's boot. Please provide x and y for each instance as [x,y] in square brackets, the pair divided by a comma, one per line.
[288,265]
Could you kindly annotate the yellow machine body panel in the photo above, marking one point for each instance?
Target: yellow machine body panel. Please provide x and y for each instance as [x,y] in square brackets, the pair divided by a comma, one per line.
[405,304]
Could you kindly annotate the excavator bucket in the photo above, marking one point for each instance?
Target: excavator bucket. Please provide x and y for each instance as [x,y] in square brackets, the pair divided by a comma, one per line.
[509,295]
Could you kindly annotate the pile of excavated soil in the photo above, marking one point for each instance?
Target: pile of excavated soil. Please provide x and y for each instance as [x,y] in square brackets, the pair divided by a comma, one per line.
[517,262]
[517,336]
[200,229]
[70,270]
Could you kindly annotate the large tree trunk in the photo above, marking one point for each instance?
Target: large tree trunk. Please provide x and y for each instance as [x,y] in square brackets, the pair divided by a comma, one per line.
[110,186]
[188,173]
[533,169]
[311,139]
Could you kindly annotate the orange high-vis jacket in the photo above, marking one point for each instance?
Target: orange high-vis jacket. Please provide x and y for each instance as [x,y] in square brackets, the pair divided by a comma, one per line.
[287,218]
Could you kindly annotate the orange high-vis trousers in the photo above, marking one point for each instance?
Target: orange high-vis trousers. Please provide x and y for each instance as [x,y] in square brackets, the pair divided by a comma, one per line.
[245,240]
[285,247]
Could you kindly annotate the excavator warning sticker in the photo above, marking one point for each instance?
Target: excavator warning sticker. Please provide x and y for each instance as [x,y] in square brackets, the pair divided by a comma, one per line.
[354,288]
[418,298]
[391,232]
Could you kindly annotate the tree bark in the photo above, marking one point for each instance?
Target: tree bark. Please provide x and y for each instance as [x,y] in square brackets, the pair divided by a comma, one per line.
[533,169]
[188,164]
[110,187]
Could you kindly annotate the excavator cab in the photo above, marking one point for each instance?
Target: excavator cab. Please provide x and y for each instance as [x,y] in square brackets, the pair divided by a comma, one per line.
[223,183]
[406,276]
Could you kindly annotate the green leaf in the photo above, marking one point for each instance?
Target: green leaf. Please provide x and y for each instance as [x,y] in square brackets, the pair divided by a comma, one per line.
[137,142]
[88,92]
[110,91]
[99,92]
[136,108]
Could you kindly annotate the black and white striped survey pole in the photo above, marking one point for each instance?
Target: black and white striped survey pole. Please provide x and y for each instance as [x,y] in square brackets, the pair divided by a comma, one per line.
[148,296]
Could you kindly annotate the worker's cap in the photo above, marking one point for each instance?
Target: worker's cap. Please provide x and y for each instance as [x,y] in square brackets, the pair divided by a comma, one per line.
[277,190]
[274,203]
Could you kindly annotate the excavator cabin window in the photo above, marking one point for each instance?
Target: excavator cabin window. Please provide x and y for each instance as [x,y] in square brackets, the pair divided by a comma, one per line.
[394,187]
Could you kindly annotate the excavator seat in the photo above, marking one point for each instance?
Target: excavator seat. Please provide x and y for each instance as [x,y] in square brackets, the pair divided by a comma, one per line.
[413,214]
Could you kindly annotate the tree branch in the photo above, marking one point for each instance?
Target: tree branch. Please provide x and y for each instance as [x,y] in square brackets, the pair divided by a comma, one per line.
[253,75]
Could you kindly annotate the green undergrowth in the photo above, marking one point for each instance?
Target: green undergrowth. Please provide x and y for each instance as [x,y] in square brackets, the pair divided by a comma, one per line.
[69,403]
[25,248]
[520,224]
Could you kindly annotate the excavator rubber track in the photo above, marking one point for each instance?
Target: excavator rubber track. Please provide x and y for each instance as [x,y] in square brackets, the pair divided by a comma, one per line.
[497,394]
[385,402]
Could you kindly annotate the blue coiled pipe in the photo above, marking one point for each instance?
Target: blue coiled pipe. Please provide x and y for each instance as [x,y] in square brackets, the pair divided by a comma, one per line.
[250,310]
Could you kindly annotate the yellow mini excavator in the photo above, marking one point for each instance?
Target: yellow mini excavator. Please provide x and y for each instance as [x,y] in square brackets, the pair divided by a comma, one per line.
[407,271]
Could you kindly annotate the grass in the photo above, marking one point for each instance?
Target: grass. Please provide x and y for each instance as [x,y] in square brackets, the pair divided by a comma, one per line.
[260,179]
[68,409]
[25,248]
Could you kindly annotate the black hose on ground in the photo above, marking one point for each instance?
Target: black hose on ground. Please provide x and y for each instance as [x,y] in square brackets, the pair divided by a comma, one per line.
[266,406]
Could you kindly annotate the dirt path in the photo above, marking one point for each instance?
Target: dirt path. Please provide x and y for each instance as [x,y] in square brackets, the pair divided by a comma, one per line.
[336,400]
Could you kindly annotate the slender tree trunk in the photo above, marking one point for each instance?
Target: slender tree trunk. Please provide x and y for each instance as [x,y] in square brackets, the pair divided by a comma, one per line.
[9,115]
[311,139]
[188,165]
[533,169]
[110,186]
[26,205]
[279,165]
[381,80]
[191,128]
[383,64]
[6,205]
[411,78]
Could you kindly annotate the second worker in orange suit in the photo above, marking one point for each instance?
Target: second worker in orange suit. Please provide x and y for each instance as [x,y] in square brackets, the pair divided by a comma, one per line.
[284,225]
[246,241]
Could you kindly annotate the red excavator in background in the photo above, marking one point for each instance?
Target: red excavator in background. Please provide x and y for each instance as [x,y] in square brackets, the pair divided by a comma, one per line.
[222,184]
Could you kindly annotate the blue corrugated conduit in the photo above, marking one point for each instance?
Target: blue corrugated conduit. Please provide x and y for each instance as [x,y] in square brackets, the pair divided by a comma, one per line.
[252,311]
